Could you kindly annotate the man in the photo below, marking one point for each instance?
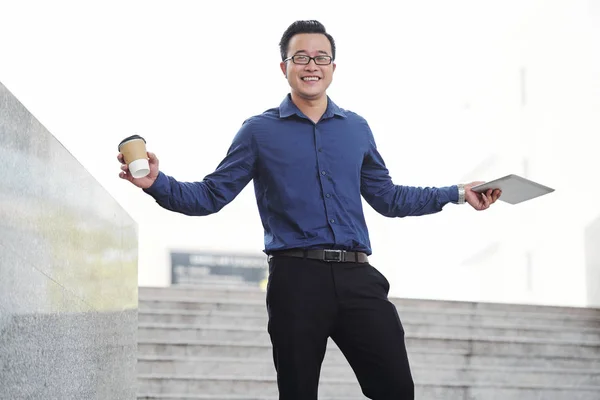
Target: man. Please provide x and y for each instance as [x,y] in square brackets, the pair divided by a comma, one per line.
[311,161]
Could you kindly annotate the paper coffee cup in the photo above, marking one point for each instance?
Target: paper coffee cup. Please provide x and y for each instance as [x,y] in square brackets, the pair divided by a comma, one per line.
[134,153]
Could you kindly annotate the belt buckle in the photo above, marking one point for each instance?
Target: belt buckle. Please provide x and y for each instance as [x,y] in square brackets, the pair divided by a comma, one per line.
[333,255]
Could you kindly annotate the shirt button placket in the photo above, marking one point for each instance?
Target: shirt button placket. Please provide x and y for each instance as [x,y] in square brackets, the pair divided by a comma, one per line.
[325,183]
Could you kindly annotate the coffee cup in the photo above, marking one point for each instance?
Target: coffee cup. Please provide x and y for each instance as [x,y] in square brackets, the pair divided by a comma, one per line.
[135,156]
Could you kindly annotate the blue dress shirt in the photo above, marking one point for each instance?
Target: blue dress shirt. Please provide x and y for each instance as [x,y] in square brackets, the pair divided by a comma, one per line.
[308,180]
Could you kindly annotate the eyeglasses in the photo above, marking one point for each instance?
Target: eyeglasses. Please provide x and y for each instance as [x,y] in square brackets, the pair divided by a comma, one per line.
[305,60]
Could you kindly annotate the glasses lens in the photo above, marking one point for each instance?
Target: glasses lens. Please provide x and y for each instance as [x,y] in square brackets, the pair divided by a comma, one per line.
[301,59]
[322,60]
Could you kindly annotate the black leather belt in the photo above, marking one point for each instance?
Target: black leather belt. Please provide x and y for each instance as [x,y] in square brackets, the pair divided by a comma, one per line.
[324,255]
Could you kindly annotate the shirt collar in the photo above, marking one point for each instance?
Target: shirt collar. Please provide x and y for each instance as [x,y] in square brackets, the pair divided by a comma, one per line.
[288,108]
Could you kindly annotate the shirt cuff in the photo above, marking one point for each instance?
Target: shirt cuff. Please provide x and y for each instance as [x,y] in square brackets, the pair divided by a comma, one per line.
[452,193]
[161,186]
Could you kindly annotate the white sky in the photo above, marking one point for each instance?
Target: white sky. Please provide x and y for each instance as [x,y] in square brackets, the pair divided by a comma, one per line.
[438,81]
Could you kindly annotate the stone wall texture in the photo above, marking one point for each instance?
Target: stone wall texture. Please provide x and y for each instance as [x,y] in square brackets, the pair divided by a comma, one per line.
[68,272]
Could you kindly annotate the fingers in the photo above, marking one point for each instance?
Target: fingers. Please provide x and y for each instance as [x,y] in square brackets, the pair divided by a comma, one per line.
[125,175]
[496,195]
[493,195]
[486,199]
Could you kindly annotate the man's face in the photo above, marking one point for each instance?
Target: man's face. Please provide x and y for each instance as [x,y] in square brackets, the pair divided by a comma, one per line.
[308,81]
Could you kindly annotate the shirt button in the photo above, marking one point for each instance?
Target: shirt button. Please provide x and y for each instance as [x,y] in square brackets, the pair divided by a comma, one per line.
[320,149]
[328,195]
[323,173]
[332,220]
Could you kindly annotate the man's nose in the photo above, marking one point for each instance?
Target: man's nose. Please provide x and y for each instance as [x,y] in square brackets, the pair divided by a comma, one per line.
[312,65]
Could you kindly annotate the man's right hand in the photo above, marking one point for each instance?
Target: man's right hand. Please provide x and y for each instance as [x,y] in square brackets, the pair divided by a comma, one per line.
[144,182]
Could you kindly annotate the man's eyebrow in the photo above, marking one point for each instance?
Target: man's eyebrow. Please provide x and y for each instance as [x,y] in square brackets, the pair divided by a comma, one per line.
[306,52]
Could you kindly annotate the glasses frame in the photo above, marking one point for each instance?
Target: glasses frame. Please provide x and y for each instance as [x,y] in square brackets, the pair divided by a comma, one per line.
[309,59]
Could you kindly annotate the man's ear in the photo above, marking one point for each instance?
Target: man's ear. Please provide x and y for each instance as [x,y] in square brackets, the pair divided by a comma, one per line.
[334,66]
[283,67]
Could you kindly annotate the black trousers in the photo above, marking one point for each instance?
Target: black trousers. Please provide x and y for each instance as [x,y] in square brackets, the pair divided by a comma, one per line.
[311,300]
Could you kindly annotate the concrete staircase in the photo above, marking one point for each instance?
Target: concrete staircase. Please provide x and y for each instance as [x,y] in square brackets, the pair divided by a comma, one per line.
[210,342]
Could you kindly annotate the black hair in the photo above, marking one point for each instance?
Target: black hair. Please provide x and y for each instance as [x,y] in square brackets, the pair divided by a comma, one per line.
[298,27]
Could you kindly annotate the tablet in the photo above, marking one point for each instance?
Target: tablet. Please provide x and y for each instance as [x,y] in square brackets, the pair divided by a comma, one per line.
[515,189]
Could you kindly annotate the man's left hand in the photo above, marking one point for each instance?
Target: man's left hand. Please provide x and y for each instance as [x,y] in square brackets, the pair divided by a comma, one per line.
[481,201]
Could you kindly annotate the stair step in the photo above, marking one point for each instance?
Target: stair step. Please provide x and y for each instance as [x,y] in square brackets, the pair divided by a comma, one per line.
[467,345]
[258,296]
[588,318]
[263,387]
[259,318]
[163,396]
[475,354]
[421,371]
[227,331]
[230,384]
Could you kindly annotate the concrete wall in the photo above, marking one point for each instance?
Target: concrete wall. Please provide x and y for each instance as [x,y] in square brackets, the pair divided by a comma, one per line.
[68,272]
[592,255]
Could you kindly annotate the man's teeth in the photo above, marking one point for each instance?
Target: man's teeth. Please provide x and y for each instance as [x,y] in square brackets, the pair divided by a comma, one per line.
[310,78]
